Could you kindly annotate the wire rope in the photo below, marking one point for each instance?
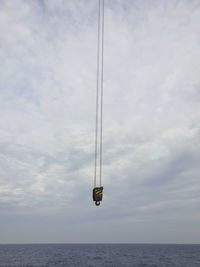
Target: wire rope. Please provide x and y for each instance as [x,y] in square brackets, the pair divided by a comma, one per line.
[97,99]
[99,86]
[101,122]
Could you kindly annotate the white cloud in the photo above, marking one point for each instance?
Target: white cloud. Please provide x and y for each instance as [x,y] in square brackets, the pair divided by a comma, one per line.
[151,112]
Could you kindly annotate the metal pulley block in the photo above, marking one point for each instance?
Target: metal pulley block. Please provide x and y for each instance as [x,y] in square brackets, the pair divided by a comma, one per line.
[97,195]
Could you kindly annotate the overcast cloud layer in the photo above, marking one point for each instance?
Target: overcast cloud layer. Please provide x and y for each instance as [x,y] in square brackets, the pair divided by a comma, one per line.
[151,160]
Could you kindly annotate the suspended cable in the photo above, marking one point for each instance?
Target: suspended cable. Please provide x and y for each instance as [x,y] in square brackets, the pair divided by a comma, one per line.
[101,122]
[98,191]
[97,98]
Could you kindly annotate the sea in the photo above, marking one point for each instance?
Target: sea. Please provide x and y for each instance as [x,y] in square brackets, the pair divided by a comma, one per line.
[138,255]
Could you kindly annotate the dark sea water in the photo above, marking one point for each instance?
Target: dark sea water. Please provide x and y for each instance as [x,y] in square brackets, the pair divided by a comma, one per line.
[100,255]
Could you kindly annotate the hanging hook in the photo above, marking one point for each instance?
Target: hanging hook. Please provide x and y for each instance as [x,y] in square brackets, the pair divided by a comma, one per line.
[97,203]
[97,195]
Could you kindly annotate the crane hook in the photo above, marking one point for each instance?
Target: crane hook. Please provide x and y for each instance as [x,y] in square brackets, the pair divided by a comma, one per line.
[97,195]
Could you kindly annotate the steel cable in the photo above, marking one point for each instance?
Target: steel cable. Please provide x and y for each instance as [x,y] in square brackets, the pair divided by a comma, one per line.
[101,122]
[100,55]
[97,98]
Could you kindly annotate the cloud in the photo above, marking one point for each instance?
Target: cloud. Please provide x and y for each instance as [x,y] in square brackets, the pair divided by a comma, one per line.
[151,112]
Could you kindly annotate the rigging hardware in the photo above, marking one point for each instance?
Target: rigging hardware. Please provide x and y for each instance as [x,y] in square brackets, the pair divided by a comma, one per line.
[98,190]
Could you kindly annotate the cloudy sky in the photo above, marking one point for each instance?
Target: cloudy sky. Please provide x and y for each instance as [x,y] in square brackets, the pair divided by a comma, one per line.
[151,154]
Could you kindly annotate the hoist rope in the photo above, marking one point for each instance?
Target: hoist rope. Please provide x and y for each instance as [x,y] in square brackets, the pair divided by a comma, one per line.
[101,123]
[97,100]
[100,44]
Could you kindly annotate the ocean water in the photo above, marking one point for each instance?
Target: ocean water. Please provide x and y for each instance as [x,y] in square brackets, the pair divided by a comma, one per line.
[100,255]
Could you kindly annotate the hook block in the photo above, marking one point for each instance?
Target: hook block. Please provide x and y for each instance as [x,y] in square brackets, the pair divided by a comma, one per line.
[97,195]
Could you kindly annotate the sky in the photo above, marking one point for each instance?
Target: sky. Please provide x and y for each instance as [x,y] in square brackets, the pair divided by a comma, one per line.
[151,130]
